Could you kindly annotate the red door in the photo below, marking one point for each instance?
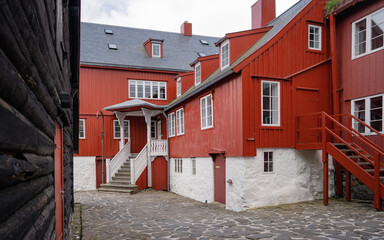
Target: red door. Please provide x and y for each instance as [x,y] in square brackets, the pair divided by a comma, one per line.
[159,174]
[219,176]
[59,183]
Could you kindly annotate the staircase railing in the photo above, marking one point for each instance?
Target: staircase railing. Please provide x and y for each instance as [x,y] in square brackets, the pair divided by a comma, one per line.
[139,164]
[159,148]
[118,160]
[329,130]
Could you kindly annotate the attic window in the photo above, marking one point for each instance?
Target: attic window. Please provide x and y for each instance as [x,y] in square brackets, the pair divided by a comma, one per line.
[108,31]
[201,54]
[112,46]
[204,42]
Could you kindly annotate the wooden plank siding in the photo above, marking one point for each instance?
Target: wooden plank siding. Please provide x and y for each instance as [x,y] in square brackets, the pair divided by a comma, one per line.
[282,59]
[38,71]
[226,132]
[362,76]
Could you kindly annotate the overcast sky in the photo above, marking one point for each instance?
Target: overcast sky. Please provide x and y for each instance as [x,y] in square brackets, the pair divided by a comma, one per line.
[208,17]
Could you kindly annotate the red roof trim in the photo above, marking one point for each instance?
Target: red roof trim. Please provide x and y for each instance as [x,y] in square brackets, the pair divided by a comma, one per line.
[127,69]
[205,58]
[242,34]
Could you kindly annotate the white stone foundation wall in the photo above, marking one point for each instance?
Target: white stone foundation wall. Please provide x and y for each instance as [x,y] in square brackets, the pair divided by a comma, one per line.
[84,171]
[199,186]
[296,177]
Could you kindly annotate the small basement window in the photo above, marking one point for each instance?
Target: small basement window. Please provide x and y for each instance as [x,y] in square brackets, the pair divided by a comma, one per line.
[112,46]
[268,162]
[108,31]
[204,42]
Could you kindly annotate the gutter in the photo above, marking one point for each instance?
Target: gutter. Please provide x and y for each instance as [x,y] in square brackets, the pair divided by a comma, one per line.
[199,90]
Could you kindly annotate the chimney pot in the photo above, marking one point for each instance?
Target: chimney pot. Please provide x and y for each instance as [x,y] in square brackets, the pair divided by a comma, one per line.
[263,11]
[186,29]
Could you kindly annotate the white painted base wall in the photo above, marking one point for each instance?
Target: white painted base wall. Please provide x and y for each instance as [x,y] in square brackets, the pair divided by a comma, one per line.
[84,173]
[199,186]
[297,176]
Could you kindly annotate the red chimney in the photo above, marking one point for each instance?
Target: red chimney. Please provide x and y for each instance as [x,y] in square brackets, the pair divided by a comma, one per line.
[263,11]
[186,29]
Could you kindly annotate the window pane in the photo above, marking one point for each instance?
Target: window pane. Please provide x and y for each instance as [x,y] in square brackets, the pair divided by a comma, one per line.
[132,89]
[275,117]
[147,90]
[116,126]
[266,117]
[126,128]
[360,105]
[266,103]
[155,90]
[153,129]
[377,29]
[266,89]
[265,166]
[178,92]
[270,167]
[140,89]
[162,90]
[360,37]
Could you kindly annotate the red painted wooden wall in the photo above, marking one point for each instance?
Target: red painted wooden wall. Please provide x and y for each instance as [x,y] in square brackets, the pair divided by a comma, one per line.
[362,76]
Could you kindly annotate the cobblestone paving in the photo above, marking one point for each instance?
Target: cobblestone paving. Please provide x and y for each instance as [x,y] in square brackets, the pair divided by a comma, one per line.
[163,215]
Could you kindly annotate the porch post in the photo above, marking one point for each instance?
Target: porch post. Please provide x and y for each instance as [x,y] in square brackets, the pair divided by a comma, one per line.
[120,116]
[147,115]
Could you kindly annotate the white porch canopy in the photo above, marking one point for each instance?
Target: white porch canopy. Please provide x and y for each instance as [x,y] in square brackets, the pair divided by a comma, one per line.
[137,107]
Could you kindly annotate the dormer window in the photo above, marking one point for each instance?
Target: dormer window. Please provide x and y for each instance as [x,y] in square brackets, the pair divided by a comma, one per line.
[197,74]
[178,86]
[224,54]
[156,50]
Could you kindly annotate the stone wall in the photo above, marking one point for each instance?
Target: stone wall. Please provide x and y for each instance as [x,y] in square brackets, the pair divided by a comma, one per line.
[84,173]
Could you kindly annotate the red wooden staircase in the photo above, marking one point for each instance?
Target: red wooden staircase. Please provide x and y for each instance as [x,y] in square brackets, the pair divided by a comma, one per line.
[358,155]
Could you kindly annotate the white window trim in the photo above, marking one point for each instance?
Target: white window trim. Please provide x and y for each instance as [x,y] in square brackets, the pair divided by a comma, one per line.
[278,102]
[206,108]
[171,126]
[273,162]
[153,55]
[82,120]
[114,130]
[178,165]
[196,66]
[178,83]
[193,173]
[179,133]
[226,42]
[368,37]
[151,93]
[320,36]
[367,113]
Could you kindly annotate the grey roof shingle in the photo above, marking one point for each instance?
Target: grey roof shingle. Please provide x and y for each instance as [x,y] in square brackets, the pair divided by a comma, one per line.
[178,50]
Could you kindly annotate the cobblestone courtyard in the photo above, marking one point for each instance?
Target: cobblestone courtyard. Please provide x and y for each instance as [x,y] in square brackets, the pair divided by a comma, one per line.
[163,215]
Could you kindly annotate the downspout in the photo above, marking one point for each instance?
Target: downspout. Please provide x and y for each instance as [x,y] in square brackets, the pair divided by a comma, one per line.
[166,120]
[335,78]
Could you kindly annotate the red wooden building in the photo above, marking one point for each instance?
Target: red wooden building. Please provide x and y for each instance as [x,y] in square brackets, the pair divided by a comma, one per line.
[256,119]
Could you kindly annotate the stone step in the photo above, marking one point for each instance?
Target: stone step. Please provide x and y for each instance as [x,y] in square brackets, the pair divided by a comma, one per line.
[120,182]
[121,179]
[123,174]
[118,186]
[124,170]
[116,190]
[125,167]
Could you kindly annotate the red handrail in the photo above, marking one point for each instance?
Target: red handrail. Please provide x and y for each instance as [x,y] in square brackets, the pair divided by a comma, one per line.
[361,122]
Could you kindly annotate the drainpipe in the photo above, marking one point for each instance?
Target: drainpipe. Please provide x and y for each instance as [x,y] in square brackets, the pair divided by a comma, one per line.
[335,79]
[102,146]
[166,120]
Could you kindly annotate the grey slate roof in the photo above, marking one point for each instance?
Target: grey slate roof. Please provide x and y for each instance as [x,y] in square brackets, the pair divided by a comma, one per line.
[178,50]
[277,25]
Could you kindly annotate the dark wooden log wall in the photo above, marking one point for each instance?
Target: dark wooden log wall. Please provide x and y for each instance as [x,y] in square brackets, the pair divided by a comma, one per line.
[39,61]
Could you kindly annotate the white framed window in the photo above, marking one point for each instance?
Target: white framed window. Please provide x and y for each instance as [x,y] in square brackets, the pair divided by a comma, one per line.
[270,103]
[268,161]
[171,125]
[197,73]
[224,54]
[370,111]
[156,50]
[178,86]
[116,129]
[206,112]
[81,128]
[178,165]
[180,121]
[193,166]
[147,89]
[367,34]
[153,129]
[314,37]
